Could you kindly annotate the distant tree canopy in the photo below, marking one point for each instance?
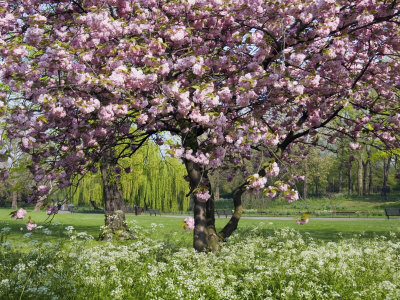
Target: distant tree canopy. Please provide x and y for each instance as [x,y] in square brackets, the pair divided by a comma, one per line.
[156,181]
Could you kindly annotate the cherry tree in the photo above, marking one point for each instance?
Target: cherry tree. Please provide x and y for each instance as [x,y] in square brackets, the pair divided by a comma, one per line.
[227,77]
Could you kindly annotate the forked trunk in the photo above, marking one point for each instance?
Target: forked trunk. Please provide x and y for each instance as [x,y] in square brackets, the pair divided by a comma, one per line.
[115,225]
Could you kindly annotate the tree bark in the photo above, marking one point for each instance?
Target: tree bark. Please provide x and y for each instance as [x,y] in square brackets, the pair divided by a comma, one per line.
[365,177]
[360,174]
[341,171]
[305,183]
[370,181]
[216,196]
[115,225]
[386,168]
[349,182]
[14,198]
[40,203]
[204,234]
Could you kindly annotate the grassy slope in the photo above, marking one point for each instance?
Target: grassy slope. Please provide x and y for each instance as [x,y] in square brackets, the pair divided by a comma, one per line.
[171,230]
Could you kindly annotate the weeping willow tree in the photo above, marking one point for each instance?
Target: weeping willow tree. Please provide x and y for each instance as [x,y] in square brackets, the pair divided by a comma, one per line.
[155,181]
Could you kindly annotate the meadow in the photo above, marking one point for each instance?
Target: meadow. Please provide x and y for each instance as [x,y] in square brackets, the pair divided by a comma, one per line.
[264,259]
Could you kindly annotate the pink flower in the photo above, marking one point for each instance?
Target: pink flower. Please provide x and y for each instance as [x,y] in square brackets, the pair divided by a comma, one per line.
[291,196]
[203,196]
[283,187]
[302,221]
[272,170]
[33,35]
[256,183]
[354,146]
[43,189]
[52,210]
[30,225]
[19,214]
[270,192]
[188,223]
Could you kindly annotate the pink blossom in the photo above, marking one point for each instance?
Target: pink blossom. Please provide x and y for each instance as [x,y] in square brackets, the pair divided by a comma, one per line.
[178,152]
[354,146]
[33,35]
[189,223]
[272,170]
[203,196]
[30,225]
[52,210]
[291,195]
[282,187]
[270,192]
[256,182]
[178,34]
[301,221]
[257,37]
[297,58]
[19,214]
[43,189]
[198,69]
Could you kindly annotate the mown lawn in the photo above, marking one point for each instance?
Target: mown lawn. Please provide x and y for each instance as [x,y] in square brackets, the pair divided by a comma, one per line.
[328,230]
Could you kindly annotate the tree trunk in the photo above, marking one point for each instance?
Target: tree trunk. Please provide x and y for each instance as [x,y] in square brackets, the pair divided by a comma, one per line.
[349,182]
[305,183]
[365,176]
[115,225]
[14,198]
[360,174]
[40,203]
[386,167]
[370,183]
[341,172]
[216,196]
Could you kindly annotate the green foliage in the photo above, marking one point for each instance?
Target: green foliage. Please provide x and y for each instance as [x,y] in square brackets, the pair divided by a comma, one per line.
[155,181]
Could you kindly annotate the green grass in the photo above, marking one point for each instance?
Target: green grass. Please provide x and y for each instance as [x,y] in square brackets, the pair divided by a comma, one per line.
[328,230]
[371,205]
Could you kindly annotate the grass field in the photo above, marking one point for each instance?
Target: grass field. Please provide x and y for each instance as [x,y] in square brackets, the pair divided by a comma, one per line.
[368,205]
[264,259]
[90,223]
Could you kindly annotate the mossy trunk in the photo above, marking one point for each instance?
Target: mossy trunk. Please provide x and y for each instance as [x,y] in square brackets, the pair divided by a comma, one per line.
[115,224]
